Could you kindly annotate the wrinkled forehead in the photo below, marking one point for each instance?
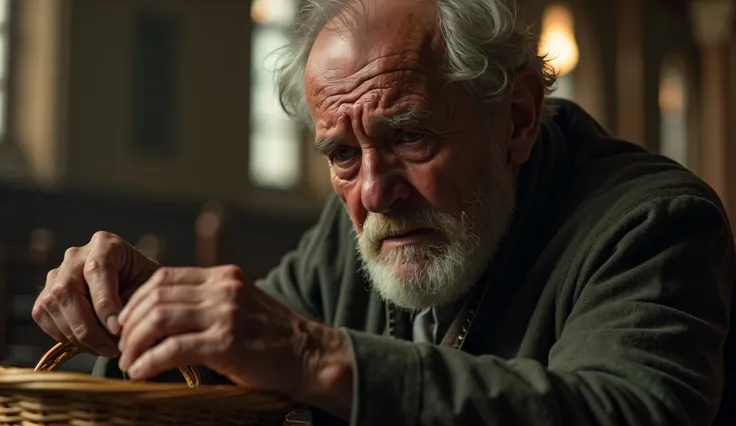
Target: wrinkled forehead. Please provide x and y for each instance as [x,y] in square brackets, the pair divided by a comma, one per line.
[381,39]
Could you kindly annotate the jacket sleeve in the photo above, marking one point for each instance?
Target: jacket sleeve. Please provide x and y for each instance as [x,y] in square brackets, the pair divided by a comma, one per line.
[642,344]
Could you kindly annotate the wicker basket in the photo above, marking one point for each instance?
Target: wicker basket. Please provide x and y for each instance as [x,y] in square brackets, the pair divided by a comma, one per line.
[43,398]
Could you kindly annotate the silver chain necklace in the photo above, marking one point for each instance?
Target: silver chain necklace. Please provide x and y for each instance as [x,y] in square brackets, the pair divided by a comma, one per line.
[456,334]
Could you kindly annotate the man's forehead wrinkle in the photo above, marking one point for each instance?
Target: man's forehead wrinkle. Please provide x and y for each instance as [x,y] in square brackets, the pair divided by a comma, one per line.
[383,52]
[373,64]
[392,67]
[377,93]
[392,72]
[404,110]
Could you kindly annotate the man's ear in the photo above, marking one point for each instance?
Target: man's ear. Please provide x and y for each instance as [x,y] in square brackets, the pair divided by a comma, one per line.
[525,114]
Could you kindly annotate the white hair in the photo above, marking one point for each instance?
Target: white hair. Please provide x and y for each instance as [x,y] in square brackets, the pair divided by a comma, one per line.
[485,43]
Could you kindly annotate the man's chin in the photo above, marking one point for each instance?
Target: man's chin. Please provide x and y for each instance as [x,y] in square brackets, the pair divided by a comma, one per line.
[410,296]
[408,272]
[403,284]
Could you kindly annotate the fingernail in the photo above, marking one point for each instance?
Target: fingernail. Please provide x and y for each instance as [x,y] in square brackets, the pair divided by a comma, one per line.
[113,326]
[133,370]
[123,313]
[120,345]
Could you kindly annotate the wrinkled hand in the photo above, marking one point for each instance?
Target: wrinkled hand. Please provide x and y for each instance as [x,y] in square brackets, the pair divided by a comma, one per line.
[85,292]
[211,317]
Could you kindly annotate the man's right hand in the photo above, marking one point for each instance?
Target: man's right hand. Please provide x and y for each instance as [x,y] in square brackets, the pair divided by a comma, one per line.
[82,297]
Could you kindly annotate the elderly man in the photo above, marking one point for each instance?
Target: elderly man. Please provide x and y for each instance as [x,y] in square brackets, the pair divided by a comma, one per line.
[490,257]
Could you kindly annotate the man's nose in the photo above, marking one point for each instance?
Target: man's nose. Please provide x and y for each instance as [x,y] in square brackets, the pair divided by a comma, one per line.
[384,186]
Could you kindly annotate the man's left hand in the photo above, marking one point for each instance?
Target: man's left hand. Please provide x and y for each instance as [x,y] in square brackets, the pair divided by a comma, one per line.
[211,317]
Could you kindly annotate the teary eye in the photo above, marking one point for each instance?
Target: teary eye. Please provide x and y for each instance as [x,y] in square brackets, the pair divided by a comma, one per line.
[343,154]
[410,136]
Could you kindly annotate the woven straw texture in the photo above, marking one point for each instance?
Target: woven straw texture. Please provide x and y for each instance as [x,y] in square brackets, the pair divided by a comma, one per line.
[45,398]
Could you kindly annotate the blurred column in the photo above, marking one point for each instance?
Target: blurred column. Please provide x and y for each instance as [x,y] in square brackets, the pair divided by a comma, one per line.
[630,71]
[152,246]
[713,22]
[41,242]
[39,79]
[209,225]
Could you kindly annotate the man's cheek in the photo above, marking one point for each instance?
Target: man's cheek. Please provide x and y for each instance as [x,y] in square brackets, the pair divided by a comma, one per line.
[352,201]
[358,221]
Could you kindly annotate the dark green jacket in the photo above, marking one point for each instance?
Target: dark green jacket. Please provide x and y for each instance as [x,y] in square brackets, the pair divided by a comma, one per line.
[609,303]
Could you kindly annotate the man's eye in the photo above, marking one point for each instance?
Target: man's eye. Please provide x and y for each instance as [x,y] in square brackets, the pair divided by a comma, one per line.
[341,155]
[408,137]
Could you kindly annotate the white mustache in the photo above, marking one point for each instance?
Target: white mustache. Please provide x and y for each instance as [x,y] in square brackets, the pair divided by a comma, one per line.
[378,227]
[378,236]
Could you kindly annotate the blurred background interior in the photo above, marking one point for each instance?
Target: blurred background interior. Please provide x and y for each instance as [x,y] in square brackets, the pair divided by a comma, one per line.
[157,120]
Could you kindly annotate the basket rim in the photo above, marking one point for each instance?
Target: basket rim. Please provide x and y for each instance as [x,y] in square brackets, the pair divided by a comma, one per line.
[20,380]
[50,388]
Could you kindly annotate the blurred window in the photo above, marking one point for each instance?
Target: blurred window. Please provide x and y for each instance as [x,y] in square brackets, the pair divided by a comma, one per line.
[4,57]
[673,110]
[275,140]
[564,87]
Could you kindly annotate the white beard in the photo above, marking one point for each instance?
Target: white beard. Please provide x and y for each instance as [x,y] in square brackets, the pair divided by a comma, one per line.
[425,275]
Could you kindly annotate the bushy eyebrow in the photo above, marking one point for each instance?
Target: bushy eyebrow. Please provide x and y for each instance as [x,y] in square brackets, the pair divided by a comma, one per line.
[405,119]
[326,145]
[402,120]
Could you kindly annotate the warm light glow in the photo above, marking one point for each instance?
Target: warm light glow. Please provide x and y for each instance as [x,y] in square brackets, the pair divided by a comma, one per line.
[260,11]
[280,12]
[210,220]
[671,96]
[558,39]
[673,99]
[672,87]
